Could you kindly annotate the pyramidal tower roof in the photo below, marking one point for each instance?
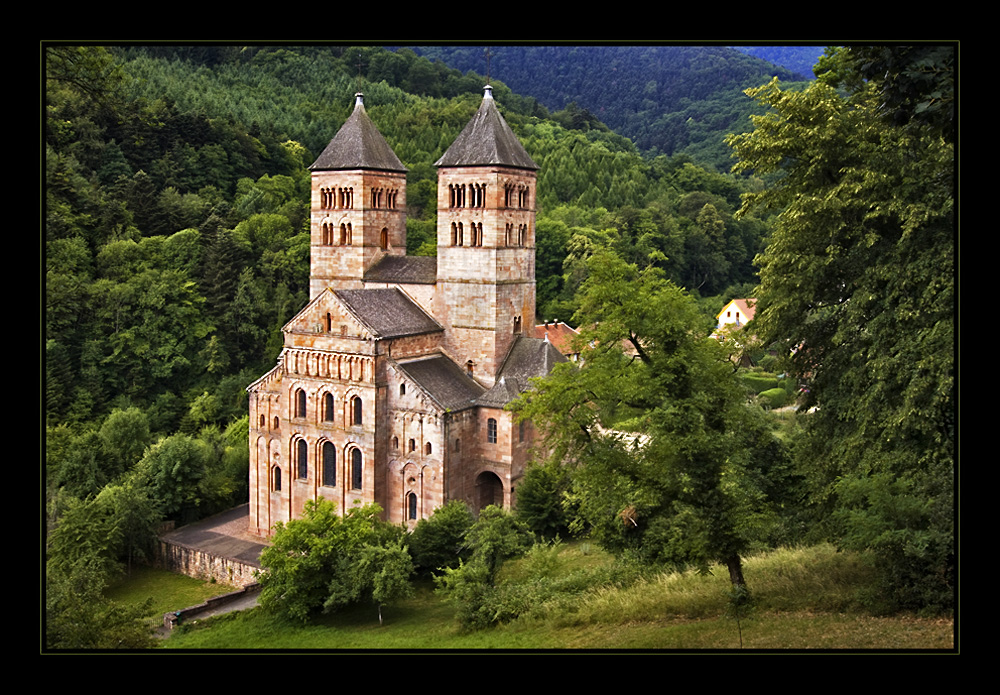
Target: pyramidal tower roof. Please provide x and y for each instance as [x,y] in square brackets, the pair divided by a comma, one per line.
[487,140]
[358,145]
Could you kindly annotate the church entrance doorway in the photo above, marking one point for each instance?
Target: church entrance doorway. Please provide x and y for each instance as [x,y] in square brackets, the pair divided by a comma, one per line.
[489,490]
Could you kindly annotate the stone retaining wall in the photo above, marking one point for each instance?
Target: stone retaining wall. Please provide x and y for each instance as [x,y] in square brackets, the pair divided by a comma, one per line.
[203,565]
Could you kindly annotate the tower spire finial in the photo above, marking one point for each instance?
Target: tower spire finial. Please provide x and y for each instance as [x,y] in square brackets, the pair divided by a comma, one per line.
[360,65]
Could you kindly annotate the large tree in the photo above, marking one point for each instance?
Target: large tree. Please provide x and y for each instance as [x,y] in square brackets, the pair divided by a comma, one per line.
[668,461]
[858,284]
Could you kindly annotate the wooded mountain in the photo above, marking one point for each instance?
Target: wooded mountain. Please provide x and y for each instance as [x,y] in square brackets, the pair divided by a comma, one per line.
[666,99]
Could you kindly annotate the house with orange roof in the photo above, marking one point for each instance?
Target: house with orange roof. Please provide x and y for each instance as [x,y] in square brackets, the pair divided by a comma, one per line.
[736,314]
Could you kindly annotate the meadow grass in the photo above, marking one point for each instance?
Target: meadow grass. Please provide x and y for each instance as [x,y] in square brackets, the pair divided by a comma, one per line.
[804,600]
[166,590]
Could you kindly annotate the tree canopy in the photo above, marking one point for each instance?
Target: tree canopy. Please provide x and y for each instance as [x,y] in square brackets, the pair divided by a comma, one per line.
[857,283]
[668,461]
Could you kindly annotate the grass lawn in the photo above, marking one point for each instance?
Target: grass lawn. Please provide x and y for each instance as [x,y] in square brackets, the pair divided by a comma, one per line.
[168,591]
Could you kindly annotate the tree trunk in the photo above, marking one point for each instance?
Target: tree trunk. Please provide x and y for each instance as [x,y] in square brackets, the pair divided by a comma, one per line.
[735,565]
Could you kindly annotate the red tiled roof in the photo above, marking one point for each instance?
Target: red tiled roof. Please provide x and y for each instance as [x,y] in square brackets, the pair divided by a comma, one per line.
[559,334]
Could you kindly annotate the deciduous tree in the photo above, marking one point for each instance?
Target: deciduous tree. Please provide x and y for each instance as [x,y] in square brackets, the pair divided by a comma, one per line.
[667,459]
[858,281]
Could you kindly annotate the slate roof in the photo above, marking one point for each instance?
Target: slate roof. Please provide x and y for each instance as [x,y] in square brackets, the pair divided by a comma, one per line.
[387,313]
[444,381]
[487,140]
[358,145]
[414,270]
[528,357]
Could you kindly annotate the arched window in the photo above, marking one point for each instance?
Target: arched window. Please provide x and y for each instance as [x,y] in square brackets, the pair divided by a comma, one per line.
[356,469]
[300,403]
[357,412]
[411,505]
[277,479]
[277,423]
[395,442]
[413,445]
[427,449]
[491,431]
[383,239]
[329,465]
[302,459]
[402,389]
[328,414]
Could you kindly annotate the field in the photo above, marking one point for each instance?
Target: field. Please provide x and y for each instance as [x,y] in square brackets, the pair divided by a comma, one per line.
[806,599]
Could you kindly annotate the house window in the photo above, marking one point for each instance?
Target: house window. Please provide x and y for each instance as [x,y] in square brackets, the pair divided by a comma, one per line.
[395,442]
[427,449]
[302,459]
[300,403]
[402,389]
[413,445]
[356,469]
[411,505]
[329,465]
[277,423]
[491,431]
[277,479]
[328,408]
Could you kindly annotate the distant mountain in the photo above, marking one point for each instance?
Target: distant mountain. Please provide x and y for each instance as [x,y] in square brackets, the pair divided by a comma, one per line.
[798,59]
[667,99]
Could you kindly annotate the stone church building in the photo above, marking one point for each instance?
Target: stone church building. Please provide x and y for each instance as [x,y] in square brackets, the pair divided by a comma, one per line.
[392,382]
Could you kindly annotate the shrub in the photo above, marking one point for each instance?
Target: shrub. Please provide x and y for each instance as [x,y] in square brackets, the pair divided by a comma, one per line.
[757,382]
[773,398]
[439,541]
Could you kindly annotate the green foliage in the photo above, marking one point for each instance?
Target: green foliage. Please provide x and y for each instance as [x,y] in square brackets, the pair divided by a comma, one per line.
[667,461]
[858,280]
[773,398]
[439,541]
[542,500]
[79,617]
[321,561]
[495,537]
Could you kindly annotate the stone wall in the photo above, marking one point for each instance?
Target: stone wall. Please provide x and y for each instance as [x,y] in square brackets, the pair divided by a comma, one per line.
[199,564]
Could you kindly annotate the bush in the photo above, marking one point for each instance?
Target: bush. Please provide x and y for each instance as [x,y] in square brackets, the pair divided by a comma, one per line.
[773,398]
[438,542]
[757,382]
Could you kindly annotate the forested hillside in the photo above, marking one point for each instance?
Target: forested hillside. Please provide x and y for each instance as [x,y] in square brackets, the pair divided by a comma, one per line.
[176,239]
[667,99]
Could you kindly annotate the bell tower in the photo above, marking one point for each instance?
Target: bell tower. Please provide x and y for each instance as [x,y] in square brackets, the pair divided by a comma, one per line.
[485,242]
[358,205]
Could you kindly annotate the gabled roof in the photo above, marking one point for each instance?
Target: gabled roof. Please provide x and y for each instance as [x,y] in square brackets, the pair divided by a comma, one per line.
[387,313]
[746,306]
[412,270]
[358,145]
[487,140]
[528,357]
[443,380]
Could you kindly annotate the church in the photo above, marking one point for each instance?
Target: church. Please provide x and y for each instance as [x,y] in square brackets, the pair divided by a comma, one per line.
[392,381]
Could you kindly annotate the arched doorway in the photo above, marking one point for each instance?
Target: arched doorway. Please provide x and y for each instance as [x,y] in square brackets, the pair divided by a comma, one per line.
[489,490]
